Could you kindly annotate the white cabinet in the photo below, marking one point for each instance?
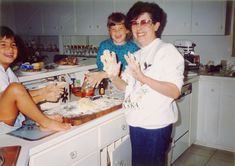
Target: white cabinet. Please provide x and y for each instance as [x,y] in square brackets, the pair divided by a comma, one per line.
[58,17]
[91,16]
[193,112]
[28,18]
[115,142]
[123,5]
[194,17]
[208,110]
[178,19]
[226,127]
[208,17]
[113,130]
[117,153]
[121,155]
[216,125]
[69,151]
[91,160]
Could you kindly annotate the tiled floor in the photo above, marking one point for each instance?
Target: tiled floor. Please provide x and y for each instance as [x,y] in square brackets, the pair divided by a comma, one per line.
[203,156]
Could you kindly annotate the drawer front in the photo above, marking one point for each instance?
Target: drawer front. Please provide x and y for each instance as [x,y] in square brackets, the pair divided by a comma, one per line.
[69,151]
[180,146]
[91,160]
[113,130]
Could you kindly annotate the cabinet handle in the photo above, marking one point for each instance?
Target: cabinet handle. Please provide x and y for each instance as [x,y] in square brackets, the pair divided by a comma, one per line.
[73,154]
[123,127]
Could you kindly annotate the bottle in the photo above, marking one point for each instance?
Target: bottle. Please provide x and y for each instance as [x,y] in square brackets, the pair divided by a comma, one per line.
[101,88]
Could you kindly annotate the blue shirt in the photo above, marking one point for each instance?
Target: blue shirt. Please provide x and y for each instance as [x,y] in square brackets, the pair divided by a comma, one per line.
[120,51]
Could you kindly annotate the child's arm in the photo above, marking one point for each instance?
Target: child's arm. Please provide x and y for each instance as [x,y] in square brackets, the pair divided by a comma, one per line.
[51,93]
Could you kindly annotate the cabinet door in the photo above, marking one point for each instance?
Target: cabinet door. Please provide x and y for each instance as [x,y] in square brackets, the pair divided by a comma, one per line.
[28,18]
[113,130]
[123,5]
[68,151]
[208,17]
[178,19]
[58,17]
[102,9]
[84,17]
[208,112]
[90,160]
[91,16]
[121,155]
[226,135]
[193,113]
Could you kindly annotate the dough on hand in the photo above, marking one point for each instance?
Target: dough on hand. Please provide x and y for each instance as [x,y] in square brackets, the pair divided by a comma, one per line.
[108,58]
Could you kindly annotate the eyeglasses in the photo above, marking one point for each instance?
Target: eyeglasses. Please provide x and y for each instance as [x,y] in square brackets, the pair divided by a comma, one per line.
[142,23]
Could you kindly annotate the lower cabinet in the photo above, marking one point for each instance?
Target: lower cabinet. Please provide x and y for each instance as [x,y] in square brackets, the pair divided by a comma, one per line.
[105,144]
[115,142]
[216,113]
[91,160]
[117,153]
[113,130]
[70,151]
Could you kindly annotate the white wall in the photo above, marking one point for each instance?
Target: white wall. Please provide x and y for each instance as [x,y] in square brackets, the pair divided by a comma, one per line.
[209,47]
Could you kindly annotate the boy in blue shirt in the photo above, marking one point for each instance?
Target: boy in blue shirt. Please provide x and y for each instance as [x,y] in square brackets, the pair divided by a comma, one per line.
[119,43]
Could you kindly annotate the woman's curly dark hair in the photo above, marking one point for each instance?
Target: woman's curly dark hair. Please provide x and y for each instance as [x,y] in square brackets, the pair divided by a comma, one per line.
[154,10]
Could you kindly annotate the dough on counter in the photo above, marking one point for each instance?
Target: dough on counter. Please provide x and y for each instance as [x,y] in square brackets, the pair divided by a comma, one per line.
[86,104]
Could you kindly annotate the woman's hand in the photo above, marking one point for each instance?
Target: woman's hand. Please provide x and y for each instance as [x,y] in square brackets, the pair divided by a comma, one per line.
[133,68]
[111,67]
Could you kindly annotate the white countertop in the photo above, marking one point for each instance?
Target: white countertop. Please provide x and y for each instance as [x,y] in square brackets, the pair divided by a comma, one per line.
[84,64]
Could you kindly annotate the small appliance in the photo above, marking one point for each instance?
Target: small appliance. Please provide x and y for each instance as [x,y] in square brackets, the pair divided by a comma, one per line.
[186,49]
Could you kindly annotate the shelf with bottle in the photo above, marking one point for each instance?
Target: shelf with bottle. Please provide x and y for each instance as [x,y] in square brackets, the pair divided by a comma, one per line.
[80,50]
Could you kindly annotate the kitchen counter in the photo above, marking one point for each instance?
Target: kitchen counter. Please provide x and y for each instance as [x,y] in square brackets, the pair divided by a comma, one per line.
[84,65]
[29,148]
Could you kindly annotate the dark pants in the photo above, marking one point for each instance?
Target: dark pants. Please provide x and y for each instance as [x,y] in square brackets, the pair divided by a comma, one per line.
[150,146]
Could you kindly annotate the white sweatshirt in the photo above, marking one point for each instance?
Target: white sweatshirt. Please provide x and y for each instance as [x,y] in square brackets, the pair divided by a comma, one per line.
[144,106]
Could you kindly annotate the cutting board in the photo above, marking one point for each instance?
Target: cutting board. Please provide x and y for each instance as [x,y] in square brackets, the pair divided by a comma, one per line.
[9,155]
[88,117]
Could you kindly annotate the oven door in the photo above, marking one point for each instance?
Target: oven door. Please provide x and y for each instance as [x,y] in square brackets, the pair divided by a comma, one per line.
[181,127]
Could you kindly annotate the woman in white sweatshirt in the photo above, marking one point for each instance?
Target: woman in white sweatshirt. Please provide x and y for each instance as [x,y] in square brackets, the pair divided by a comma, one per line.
[152,82]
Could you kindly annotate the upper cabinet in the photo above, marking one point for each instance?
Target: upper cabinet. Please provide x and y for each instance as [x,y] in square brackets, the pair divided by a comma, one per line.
[194,17]
[123,5]
[28,18]
[58,17]
[178,17]
[91,16]
[208,17]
